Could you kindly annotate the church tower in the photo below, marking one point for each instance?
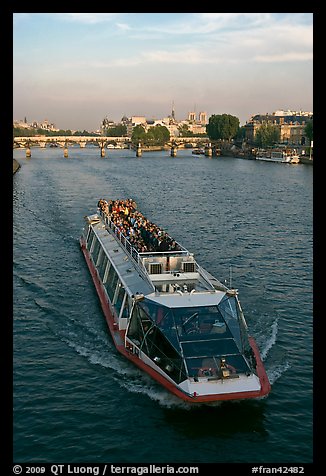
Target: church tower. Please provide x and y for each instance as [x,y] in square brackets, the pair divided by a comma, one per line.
[173,113]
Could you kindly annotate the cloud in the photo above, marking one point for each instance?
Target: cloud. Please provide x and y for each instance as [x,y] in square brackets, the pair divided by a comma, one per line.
[89,18]
[238,21]
[284,57]
[123,26]
[216,38]
[204,23]
[185,56]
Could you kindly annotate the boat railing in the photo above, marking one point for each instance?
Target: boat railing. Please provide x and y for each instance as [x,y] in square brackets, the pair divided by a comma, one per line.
[206,277]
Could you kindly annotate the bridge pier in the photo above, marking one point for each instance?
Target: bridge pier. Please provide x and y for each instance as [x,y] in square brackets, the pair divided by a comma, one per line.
[138,150]
[208,150]
[102,151]
[65,151]
[28,152]
[216,151]
[173,151]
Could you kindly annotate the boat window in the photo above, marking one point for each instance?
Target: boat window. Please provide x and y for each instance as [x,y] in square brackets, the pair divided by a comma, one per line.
[229,310]
[156,312]
[160,350]
[113,286]
[111,282]
[90,238]
[162,316]
[100,258]
[197,322]
[126,308]
[139,324]
[110,274]
[211,332]
[145,334]
[219,347]
[102,266]
[120,297]
[106,272]
[95,251]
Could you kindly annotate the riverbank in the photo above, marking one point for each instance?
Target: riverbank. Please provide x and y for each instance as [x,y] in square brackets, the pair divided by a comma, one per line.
[16,166]
[306,160]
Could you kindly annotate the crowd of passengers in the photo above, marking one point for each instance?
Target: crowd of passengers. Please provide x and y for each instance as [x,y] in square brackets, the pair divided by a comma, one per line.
[143,235]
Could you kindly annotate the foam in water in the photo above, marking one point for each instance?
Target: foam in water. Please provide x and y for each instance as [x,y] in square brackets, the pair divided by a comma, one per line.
[159,394]
[277,371]
[270,341]
[129,376]
[103,357]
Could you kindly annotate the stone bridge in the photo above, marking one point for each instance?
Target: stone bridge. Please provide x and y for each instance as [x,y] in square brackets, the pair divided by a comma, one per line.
[62,141]
[101,141]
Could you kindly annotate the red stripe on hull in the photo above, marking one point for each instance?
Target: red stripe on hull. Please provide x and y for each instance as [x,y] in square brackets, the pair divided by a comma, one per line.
[113,327]
[261,372]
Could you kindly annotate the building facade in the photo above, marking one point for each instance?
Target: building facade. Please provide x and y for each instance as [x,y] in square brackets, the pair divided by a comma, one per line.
[45,125]
[195,124]
[291,125]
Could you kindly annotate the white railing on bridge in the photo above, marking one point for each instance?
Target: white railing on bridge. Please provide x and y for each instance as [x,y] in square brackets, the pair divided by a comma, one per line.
[79,139]
[70,139]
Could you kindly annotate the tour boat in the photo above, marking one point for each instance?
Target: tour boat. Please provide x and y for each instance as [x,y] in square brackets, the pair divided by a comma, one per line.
[168,315]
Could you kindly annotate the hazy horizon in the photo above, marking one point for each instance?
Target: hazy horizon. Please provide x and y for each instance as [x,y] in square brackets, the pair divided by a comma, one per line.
[74,69]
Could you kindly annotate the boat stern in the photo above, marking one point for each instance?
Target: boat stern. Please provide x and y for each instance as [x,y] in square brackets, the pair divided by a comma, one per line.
[206,389]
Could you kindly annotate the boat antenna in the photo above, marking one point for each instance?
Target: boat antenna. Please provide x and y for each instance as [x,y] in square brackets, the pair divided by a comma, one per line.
[230,273]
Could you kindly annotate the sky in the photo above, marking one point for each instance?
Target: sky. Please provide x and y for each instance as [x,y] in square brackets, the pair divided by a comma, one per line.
[75,69]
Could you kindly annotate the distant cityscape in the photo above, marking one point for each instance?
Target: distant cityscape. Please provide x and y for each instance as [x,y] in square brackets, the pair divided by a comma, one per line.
[290,123]
[196,123]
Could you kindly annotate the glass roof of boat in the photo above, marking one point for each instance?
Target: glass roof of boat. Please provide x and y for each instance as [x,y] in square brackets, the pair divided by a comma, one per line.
[210,331]
[197,323]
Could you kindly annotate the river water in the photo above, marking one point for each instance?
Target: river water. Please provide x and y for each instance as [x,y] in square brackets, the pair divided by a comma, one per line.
[75,397]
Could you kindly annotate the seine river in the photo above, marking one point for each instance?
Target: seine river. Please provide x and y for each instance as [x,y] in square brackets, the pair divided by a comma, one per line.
[76,399]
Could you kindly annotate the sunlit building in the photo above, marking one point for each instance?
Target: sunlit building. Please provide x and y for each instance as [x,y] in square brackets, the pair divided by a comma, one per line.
[291,125]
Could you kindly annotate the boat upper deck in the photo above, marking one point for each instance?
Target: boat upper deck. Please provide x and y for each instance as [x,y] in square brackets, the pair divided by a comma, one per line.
[145,272]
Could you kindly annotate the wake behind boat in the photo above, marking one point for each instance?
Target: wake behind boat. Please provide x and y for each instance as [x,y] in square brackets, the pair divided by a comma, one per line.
[167,314]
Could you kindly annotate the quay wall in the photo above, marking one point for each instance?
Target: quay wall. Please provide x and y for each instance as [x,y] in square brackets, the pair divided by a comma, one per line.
[225,152]
[153,148]
[16,166]
[306,160]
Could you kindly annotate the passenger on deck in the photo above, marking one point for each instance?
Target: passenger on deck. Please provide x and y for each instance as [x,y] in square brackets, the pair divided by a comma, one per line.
[141,233]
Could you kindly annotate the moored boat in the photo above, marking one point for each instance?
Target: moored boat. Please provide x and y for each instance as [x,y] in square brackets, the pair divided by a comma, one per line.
[114,146]
[167,314]
[294,157]
[198,151]
[272,156]
[287,156]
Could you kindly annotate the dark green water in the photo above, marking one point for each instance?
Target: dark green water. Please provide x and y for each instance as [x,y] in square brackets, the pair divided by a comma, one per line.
[75,398]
